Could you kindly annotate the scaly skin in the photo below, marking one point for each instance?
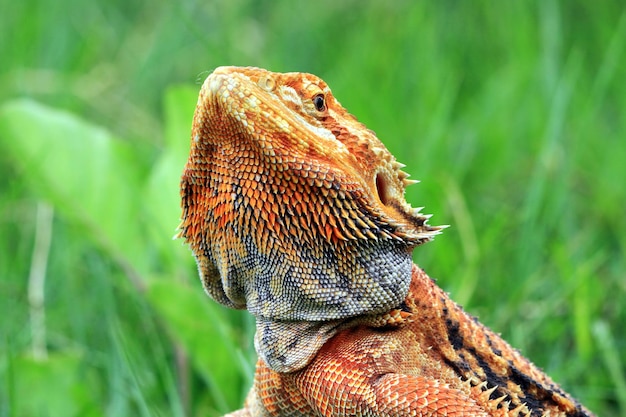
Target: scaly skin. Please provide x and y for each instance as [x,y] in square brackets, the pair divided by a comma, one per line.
[296,211]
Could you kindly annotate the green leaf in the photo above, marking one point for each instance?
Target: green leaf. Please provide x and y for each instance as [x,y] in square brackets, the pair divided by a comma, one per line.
[162,197]
[180,103]
[55,387]
[89,175]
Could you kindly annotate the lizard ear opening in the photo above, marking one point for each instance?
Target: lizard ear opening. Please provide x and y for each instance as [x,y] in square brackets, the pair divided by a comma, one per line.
[382,189]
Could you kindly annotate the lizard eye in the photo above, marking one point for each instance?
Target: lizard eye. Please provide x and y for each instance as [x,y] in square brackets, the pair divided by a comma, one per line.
[319,102]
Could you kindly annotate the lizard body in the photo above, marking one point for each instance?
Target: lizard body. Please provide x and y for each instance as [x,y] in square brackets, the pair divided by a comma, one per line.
[296,211]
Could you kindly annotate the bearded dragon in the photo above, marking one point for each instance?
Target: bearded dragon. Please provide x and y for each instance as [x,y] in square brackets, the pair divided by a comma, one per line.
[296,212]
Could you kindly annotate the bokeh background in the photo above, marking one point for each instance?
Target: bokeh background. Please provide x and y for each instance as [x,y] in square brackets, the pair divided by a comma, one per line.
[511,113]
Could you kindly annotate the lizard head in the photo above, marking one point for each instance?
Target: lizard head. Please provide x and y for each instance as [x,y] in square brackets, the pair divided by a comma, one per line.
[293,208]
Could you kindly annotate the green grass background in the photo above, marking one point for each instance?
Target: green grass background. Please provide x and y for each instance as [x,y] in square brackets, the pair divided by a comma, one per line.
[512,114]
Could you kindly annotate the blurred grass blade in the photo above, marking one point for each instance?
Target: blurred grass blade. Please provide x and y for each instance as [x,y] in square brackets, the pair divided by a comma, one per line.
[37,279]
[613,360]
[203,331]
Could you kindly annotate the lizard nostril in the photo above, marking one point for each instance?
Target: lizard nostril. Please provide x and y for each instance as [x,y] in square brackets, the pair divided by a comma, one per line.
[382,189]
[267,83]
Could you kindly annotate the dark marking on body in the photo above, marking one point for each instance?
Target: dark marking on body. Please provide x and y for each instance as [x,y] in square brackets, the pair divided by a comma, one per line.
[536,394]
[454,334]
[460,367]
[494,349]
